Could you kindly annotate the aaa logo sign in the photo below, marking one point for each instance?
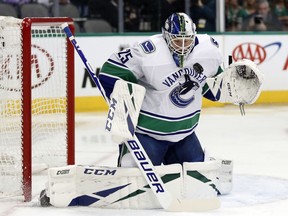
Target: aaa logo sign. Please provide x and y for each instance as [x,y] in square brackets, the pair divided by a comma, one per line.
[255,52]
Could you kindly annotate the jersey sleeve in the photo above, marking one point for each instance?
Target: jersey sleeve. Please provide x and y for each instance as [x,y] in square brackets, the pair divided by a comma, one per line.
[216,65]
[125,65]
[207,93]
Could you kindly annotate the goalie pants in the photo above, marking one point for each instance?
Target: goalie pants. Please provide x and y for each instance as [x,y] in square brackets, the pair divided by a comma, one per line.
[165,152]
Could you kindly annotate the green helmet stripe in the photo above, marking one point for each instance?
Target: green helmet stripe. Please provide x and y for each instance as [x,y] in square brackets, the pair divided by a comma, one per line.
[182,24]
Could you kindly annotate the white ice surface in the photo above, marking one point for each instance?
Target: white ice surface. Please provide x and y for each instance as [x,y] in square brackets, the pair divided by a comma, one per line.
[257,143]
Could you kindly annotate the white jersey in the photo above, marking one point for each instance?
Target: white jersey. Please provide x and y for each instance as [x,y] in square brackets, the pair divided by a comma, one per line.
[173,100]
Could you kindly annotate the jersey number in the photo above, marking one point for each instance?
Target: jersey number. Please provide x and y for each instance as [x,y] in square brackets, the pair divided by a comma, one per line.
[125,55]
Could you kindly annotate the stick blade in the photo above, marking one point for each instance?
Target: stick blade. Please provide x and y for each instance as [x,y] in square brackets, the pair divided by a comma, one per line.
[194,205]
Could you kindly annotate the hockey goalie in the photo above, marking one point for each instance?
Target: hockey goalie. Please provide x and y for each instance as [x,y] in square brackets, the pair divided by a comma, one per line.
[155,91]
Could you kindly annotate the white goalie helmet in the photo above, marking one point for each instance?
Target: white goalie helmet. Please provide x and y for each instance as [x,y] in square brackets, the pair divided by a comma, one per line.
[179,32]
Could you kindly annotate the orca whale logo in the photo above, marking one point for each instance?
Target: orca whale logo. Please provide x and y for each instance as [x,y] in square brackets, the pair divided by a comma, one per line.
[183,94]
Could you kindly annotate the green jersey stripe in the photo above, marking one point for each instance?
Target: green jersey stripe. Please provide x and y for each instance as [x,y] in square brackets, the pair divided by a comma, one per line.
[166,126]
[120,72]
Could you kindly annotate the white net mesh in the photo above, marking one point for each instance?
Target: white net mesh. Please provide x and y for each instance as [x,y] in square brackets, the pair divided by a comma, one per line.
[10,107]
[49,100]
[49,73]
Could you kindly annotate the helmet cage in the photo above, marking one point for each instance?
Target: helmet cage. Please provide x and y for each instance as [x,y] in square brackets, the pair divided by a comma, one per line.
[179,33]
[180,44]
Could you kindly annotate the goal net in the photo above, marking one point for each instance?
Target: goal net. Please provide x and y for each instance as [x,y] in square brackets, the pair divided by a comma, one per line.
[36,100]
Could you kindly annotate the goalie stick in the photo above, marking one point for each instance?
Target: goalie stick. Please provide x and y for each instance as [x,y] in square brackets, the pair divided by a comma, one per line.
[142,160]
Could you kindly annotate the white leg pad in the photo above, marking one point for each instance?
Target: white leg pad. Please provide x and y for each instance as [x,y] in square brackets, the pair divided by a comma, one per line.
[109,187]
[200,179]
[123,187]
[226,176]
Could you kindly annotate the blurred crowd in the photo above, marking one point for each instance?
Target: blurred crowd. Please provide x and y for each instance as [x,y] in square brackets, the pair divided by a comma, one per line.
[256,15]
[149,15]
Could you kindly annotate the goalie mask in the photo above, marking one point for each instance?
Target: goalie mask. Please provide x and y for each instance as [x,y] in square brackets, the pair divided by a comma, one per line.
[179,32]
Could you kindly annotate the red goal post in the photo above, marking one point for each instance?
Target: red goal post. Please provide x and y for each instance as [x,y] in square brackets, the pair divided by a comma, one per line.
[36,100]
